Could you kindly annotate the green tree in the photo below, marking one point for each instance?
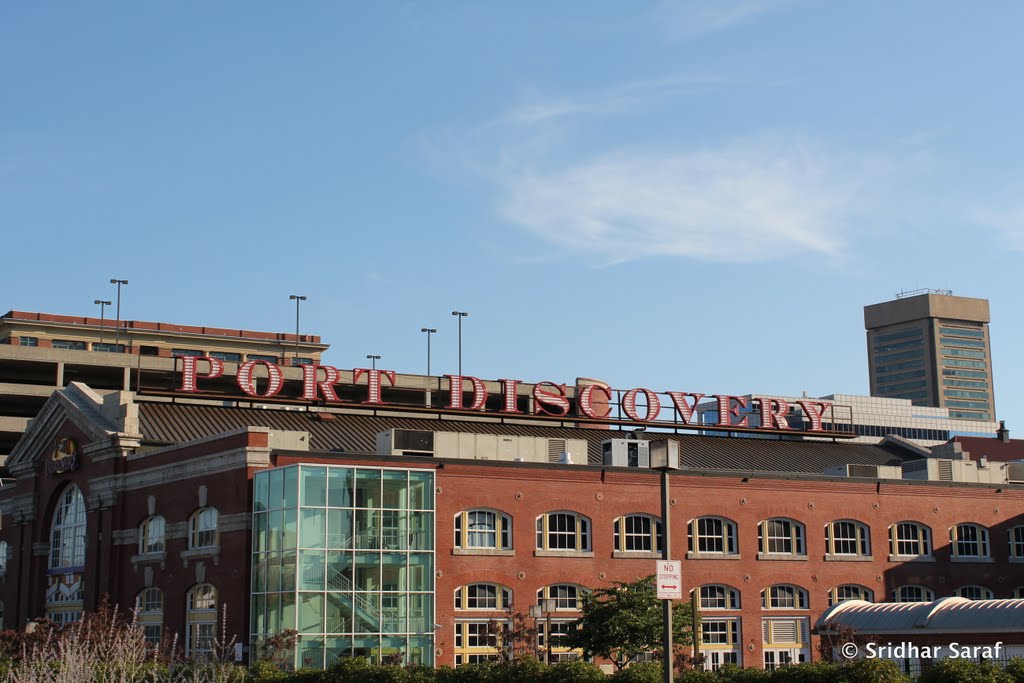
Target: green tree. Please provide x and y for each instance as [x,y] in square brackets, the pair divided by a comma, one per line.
[624,621]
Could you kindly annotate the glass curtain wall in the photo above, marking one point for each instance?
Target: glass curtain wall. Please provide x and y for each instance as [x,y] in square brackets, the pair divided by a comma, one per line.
[345,556]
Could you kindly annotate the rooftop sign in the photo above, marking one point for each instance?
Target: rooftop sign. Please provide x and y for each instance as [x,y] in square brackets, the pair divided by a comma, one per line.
[467,394]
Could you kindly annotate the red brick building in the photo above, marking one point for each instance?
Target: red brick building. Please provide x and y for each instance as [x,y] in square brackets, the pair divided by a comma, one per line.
[320,516]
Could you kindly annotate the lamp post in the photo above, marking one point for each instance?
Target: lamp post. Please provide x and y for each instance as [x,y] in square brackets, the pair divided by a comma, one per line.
[429,331]
[544,608]
[296,298]
[103,305]
[664,458]
[117,326]
[461,315]
[373,359]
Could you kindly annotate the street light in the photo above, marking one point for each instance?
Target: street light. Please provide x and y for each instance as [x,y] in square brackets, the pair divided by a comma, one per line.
[544,608]
[103,305]
[296,298]
[117,327]
[461,315]
[373,359]
[429,331]
[665,457]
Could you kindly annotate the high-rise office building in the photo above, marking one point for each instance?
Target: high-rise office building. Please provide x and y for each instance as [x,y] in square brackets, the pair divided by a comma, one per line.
[932,348]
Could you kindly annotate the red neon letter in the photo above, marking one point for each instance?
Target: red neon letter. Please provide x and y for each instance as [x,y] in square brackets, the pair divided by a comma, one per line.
[247,383]
[326,385]
[455,393]
[629,405]
[684,409]
[815,415]
[774,419]
[373,382]
[190,373]
[550,398]
[725,413]
[586,402]
[508,390]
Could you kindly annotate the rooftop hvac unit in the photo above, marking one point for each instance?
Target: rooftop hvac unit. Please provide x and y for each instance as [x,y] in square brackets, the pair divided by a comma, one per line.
[865,471]
[1015,472]
[626,453]
[405,442]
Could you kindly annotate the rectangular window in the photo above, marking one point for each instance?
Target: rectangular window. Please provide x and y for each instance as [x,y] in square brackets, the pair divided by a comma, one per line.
[187,352]
[28,341]
[962,332]
[269,359]
[227,356]
[68,344]
[899,334]
[108,348]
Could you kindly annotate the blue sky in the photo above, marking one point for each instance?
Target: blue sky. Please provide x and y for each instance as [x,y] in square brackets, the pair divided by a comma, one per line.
[678,195]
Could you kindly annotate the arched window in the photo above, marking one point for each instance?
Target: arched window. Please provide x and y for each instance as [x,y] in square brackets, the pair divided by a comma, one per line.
[637,534]
[483,529]
[67,534]
[969,541]
[784,596]
[149,605]
[151,535]
[202,621]
[563,532]
[781,537]
[850,591]
[202,528]
[485,596]
[913,594]
[1017,541]
[910,539]
[718,596]
[712,536]
[847,537]
[973,593]
[568,597]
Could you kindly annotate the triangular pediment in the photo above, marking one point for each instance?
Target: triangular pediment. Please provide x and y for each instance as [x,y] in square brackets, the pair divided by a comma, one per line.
[98,418]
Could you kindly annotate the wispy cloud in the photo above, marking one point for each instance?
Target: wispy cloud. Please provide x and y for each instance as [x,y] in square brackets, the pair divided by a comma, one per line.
[744,202]
[619,99]
[691,18]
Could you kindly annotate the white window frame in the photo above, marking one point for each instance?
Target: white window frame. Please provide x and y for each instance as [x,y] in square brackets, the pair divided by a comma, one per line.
[975,592]
[67,531]
[647,540]
[1016,537]
[568,597]
[963,536]
[900,533]
[863,593]
[201,618]
[847,538]
[917,592]
[152,535]
[717,597]
[781,531]
[570,529]
[775,596]
[710,532]
[203,529]
[478,596]
[483,529]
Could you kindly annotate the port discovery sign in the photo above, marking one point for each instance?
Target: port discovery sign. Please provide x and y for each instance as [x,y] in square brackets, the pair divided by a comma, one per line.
[592,402]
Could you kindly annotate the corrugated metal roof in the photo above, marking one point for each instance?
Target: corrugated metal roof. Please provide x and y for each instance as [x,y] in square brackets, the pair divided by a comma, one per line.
[949,614]
[168,423]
